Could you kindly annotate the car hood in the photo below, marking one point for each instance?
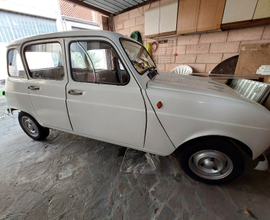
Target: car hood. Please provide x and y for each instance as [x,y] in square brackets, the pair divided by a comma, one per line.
[191,84]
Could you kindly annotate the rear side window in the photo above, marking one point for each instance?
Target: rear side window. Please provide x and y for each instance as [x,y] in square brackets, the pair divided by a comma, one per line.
[15,67]
[45,61]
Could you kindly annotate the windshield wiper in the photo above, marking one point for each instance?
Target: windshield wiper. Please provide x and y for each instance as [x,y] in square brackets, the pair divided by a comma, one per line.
[150,69]
[144,61]
[139,64]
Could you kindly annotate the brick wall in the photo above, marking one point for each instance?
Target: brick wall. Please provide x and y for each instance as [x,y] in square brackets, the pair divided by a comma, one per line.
[200,51]
[76,11]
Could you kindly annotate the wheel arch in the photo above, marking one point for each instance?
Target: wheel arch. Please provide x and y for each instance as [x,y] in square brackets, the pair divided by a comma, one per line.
[240,145]
[32,114]
[31,127]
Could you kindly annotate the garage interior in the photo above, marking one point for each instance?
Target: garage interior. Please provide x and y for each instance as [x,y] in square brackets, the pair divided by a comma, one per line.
[72,177]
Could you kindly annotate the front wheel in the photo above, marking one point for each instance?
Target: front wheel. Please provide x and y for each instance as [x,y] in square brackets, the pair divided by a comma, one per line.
[212,161]
[32,128]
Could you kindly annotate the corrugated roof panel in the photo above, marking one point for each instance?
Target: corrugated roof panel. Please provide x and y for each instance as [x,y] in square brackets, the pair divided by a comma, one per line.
[104,3]
[114,3]
[101,6]
[131,2]
[127,4]
[14,26]
[112,6]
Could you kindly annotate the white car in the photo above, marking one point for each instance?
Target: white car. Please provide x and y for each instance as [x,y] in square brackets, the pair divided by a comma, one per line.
[105,86]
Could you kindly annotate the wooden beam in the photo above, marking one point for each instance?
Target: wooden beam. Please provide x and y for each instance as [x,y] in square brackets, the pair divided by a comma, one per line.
[161,34]
[105,23]
[244,24]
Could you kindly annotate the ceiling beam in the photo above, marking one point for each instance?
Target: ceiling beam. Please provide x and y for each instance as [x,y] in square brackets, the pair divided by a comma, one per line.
[80,2]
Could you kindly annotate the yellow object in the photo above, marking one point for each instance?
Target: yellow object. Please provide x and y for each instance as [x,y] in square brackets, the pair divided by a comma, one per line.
[148,48]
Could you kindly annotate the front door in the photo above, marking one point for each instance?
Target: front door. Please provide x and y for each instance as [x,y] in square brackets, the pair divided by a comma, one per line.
[103,99]
[47,82]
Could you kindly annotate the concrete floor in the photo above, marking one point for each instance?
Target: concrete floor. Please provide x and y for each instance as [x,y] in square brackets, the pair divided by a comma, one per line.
[71,177]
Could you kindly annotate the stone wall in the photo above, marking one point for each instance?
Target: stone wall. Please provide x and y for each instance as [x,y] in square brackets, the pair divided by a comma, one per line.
[200,51]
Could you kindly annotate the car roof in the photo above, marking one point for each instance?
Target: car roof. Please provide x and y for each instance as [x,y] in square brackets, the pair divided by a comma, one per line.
[67,34]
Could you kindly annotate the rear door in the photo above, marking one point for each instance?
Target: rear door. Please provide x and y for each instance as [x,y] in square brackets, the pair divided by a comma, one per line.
[47,82]
[16,83]
[104,101]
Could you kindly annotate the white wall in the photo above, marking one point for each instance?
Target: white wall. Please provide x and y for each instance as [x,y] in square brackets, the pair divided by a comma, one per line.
[70,24]
[47,9]
[40,8]
[3,60]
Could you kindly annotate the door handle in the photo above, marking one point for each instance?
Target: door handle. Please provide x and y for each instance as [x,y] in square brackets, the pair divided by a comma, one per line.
[33,87]
[74,92]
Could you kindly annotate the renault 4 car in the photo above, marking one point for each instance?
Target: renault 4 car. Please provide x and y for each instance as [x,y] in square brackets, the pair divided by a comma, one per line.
[105,86]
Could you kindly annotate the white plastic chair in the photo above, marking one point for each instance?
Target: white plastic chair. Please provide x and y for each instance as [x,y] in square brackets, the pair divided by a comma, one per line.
[182,70]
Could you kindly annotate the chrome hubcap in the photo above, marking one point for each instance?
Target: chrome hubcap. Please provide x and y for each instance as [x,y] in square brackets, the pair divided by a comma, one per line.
[30,126]
[210,164]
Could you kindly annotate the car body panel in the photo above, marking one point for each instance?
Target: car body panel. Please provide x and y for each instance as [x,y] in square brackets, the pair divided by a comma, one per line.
[49,99]
[107,111]
[196,108]
[16,92]
[156,139]
[49,103]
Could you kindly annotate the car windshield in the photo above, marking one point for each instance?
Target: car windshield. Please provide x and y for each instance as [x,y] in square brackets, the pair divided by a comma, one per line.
[138,56]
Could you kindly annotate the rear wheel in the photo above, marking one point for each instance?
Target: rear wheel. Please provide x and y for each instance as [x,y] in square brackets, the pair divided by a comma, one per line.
[32,128]
[212,161]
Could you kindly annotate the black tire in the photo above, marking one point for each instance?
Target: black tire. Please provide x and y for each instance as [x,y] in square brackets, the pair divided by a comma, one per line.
[32,128]
[212,160]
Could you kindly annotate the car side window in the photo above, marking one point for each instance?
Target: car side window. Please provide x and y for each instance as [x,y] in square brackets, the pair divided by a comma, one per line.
[82,68]
[45,61]
[15,67]
[97,62]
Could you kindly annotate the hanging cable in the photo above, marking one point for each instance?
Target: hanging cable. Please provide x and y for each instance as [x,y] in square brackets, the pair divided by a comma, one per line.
[154,47]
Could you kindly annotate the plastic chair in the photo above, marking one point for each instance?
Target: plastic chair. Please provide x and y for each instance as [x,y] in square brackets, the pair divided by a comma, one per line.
[182,70]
